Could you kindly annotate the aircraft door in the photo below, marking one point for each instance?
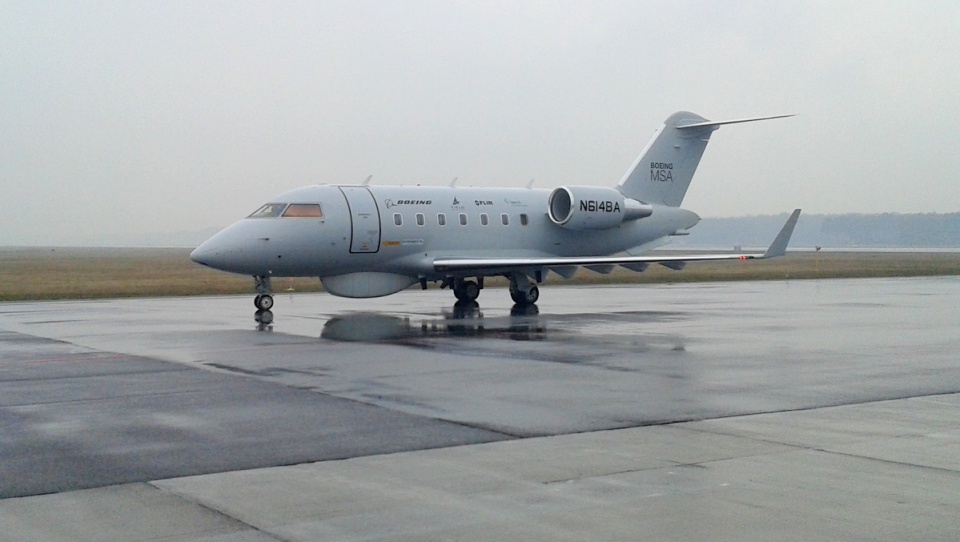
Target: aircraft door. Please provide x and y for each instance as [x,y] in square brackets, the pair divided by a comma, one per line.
[364,219]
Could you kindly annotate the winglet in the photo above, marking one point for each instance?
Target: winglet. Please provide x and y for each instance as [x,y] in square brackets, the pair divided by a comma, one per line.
[779,245]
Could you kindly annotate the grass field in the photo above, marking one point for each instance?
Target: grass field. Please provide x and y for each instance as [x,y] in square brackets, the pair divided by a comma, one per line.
[91,273]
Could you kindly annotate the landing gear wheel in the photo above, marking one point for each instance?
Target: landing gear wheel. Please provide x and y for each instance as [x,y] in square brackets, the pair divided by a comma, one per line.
[264,302]
[525,298]
[533,294]
[468,291]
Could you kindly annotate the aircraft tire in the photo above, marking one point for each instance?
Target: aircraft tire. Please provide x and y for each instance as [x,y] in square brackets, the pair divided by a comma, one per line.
[533,295]
[264,302]
[525,298]
[470,291]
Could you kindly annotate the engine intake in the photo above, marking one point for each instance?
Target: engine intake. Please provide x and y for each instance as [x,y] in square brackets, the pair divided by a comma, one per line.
[593,208]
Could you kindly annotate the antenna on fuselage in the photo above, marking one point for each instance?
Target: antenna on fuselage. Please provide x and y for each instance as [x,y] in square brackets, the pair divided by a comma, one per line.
[454,181]
[530,184]
[367,181]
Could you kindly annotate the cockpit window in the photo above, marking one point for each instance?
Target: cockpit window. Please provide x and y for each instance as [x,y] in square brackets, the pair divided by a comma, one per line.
[270,210]
[303,210]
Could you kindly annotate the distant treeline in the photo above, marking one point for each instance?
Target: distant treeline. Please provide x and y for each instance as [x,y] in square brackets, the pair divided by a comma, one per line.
[928,230]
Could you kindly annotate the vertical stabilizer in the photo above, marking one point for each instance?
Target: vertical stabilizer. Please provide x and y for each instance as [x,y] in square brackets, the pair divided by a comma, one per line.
[664,169]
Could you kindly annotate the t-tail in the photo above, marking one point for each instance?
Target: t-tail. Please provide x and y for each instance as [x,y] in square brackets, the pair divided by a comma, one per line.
[666,166]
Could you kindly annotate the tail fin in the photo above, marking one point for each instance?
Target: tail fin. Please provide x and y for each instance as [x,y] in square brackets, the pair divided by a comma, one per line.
[664,169]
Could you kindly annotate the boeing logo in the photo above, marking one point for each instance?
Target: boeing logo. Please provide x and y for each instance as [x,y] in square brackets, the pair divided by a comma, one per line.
[390,203]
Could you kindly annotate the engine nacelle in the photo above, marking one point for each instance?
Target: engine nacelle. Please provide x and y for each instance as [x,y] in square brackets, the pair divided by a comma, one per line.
[593,208]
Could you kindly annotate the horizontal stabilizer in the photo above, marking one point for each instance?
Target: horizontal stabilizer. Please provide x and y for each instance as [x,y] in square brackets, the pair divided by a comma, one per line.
[713,123]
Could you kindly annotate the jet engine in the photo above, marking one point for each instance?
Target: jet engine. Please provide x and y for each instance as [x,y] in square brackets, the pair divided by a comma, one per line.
[593,208]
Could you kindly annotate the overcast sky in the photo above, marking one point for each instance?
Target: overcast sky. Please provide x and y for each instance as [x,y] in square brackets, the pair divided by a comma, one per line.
[146,117]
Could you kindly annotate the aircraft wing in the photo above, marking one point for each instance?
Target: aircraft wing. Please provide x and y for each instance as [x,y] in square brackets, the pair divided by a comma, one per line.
[460,265]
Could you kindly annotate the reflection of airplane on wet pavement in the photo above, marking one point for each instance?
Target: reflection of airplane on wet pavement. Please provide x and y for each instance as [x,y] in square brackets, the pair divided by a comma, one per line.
[370,241]
[464,320]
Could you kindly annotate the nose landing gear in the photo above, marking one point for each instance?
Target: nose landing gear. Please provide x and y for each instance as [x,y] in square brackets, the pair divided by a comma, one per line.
[263,301]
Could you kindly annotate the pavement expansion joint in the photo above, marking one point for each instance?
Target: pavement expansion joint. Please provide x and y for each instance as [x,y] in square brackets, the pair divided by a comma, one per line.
[942,470]
[214,510]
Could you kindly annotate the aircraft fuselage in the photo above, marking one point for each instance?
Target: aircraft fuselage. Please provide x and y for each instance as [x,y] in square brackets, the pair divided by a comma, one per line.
[404,229]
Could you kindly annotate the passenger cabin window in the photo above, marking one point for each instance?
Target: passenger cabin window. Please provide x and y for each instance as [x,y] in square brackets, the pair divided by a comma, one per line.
[397,219]
[303,210]
[523,219]
[505,219]
[420,219]
[442,219]
[484,220]
[270,210]
[463,219]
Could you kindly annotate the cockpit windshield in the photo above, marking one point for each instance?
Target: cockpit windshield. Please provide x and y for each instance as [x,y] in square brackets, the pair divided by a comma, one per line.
[293,210]
[303,210]
[270,210]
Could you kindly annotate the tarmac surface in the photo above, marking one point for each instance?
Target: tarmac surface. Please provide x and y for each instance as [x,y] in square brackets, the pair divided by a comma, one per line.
[793,410]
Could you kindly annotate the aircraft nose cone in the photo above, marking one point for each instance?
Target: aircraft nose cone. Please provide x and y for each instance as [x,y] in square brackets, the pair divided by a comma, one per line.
[201,255]
[238,248]
[213,254]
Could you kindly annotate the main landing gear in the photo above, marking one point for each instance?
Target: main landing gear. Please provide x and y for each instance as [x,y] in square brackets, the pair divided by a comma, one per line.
[263,301]
[522,290]
[466,290]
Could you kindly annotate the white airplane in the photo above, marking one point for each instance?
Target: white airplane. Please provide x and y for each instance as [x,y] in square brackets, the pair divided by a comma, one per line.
[370,241]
